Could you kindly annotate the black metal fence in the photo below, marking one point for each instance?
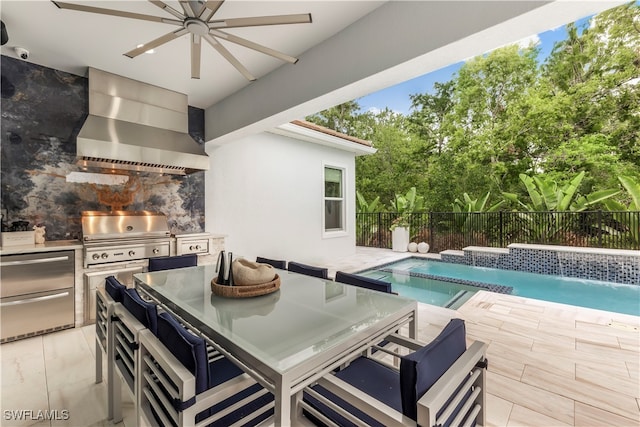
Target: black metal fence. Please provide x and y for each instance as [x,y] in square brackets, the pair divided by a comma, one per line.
[455,230]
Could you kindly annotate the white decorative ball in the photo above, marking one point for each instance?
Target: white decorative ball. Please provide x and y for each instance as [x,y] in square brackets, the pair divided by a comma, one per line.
[423,247]
[413,247]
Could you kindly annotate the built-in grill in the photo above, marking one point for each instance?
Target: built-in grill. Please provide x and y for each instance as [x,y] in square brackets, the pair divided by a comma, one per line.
[119,243]
[120,236]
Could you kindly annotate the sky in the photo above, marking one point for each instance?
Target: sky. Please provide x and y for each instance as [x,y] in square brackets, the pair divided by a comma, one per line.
[396,98]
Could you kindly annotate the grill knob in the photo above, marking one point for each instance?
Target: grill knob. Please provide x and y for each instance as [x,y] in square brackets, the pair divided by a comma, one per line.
[105,255]
[156,250]
[191,248]
[197,247]
[132,253]
[95,256]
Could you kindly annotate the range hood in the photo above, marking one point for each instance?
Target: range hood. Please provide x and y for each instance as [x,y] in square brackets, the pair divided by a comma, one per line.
[136,126]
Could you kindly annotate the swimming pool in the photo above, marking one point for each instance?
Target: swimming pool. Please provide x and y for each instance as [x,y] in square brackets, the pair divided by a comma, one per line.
[409,278]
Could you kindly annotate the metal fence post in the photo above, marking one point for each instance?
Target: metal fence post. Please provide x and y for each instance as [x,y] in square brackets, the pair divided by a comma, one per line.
[431,240]
[501,231]
[600,225]
[379,230]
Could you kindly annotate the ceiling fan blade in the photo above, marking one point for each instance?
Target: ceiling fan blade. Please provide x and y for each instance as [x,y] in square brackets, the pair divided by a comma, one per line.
[196,44]
[112,12]
[188,10]
[303,18]
[162,5]
[229,57]
[157,42]
[255,46]
[210,8]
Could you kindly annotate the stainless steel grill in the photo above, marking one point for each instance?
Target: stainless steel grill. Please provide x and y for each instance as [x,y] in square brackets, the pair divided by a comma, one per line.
[120,236]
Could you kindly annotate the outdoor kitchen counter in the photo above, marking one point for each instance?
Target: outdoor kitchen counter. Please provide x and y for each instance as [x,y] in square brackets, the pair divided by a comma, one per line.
[54,245]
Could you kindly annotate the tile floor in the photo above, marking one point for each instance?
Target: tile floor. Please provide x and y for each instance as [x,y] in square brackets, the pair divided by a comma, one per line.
[549,364]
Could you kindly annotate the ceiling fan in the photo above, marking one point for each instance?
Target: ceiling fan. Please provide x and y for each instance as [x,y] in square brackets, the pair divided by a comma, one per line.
[197,20]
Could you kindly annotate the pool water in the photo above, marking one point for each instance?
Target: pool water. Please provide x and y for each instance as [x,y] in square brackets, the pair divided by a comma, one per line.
[601,295]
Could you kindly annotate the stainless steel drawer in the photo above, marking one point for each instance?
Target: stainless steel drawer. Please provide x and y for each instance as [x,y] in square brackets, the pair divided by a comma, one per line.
[36,272]
[36,313]
[192,247]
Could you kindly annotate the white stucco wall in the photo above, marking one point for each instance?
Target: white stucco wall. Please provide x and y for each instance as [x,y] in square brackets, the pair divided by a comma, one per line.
[265,192]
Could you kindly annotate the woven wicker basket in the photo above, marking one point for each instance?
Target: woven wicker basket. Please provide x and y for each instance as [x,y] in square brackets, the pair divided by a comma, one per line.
[245,291]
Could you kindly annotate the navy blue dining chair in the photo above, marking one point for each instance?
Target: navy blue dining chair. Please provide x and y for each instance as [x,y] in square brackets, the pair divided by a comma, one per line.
[180,385]
[130,317]
[309,270]
[363,282]
[114,288]
[276,263]
[171,262]
[144,311]
[439,384]
[106,300]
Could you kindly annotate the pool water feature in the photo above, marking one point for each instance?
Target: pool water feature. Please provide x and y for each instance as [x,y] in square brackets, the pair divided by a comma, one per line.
[405,278]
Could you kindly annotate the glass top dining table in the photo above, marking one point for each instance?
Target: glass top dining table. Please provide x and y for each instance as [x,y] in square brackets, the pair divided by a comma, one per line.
[286,339]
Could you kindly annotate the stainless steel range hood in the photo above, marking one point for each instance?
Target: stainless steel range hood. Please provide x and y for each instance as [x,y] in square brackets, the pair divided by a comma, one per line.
[137,126]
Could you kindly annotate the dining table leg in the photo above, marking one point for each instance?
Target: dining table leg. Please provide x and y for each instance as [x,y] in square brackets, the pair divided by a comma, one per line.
[413,325]
[283,403]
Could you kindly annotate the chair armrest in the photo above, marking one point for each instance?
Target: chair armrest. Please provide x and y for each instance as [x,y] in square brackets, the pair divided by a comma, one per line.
[406,342]
[436,397]
[132,324]
[106,299]
[173,368]
[393,351]
[223,391]
[367,404]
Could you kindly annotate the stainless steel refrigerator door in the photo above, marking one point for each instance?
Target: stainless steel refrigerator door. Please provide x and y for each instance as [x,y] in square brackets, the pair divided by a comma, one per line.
[36,313]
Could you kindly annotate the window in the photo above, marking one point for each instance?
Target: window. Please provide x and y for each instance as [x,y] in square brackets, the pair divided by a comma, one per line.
[333,199]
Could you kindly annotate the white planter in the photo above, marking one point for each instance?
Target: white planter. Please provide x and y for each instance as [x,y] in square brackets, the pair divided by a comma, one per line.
[399,239]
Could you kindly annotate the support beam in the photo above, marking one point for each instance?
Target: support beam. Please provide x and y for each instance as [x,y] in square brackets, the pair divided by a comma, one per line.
[396,42]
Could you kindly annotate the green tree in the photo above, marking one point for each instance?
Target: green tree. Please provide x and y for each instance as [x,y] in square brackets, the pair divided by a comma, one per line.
[473,146]
[429,116]
[546,194]
[397,163]
[597,69]
[596,154]
[345,118]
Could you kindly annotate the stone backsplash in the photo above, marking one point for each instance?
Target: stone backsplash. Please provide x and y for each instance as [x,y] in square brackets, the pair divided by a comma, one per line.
[42,112]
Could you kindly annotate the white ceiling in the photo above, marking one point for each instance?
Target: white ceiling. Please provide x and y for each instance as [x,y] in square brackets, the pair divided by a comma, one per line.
[71,41]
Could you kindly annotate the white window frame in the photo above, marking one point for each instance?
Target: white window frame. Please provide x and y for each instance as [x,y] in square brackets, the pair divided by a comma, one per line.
[327,234]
